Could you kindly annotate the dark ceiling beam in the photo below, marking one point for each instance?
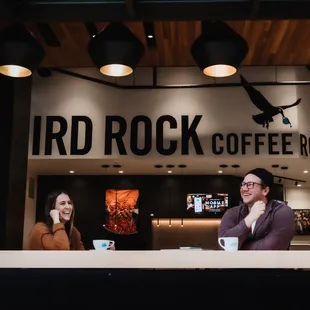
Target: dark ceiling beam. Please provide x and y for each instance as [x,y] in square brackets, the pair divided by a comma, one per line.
[255,8]
[11,3]
[131,7]
[63,11]
[7,8]
[119,10]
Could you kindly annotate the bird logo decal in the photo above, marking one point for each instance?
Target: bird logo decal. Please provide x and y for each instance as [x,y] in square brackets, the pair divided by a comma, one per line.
[269,111]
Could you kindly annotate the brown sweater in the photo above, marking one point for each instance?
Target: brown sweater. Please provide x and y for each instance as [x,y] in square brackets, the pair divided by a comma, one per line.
[41,238]
[274,229]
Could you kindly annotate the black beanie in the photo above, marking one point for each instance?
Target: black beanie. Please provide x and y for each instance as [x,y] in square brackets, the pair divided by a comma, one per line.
[264,175]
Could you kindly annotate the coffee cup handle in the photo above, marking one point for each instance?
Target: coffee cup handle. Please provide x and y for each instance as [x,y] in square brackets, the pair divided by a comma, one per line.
[220,243]
[111,244]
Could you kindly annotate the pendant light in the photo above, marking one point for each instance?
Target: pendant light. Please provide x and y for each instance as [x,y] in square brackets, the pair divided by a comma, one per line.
[115,50]
[219,50]
[20,52]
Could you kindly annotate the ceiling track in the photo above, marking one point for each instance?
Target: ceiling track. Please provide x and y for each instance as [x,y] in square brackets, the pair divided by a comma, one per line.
[289,179]
[155,84]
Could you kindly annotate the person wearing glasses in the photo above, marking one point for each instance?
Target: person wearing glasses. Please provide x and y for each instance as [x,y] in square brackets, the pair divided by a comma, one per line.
[259,223]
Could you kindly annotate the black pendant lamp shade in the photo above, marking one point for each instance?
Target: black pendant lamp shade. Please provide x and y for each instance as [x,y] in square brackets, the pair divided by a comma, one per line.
[115,50]
[20,52]
[219,50]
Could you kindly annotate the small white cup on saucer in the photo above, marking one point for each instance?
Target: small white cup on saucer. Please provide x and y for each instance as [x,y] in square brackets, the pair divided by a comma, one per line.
[101,244]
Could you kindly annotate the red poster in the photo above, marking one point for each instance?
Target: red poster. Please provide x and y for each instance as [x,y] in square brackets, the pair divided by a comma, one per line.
[122,211]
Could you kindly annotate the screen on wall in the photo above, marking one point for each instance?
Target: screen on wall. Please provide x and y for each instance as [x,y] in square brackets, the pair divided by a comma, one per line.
[206,203]
[122,211]
[302,221]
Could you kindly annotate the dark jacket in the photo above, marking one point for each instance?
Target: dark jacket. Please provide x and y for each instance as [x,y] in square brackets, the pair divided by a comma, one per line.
[274,229]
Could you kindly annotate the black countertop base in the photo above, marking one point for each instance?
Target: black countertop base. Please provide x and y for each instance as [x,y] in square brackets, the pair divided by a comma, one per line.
[100,288]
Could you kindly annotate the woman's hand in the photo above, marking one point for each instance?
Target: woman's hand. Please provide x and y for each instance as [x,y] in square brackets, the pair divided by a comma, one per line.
[55,216]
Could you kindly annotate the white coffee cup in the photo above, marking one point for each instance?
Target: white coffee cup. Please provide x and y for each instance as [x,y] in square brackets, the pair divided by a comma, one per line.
[229,243]
[100,244]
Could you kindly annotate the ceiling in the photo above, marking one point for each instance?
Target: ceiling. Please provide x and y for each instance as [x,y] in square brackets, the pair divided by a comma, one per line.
[199,166]
[271,42]
[276,32]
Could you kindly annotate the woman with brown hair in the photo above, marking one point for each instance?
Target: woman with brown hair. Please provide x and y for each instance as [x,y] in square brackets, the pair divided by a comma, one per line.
[57,232]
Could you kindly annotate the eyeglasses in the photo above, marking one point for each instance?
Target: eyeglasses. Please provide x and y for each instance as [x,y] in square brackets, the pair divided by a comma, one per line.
[249,185]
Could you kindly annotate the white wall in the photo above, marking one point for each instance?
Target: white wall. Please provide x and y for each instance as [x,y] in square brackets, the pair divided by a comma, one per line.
[30,211]
[298,198]
[223,110]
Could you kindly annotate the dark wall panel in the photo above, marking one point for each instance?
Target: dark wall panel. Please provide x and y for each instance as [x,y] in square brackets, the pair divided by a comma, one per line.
[164,196]
[15,106]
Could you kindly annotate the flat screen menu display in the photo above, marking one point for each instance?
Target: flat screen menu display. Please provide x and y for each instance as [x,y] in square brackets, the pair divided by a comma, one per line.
[206,203]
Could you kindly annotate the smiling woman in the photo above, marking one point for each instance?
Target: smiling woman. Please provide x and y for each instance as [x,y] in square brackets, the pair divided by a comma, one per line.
[57,232]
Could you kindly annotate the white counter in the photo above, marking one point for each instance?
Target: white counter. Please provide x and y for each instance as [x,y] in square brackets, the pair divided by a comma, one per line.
[167,259]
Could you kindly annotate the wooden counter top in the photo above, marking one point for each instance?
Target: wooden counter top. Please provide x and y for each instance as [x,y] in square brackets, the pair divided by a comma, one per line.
[166,259]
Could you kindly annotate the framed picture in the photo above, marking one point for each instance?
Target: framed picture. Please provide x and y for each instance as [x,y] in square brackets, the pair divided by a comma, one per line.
[122,211]
[302,221]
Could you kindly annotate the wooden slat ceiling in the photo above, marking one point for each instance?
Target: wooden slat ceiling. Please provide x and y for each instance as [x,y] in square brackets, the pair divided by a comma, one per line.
[276,42]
